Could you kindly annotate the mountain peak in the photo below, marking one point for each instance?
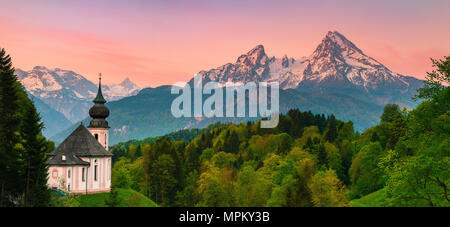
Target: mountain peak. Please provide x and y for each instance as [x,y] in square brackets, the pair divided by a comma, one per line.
[285,61]
[337,41]
[334,51]
[333,34]
[259,49]
[127,83]
[256,56]
[126,80]
[40,68]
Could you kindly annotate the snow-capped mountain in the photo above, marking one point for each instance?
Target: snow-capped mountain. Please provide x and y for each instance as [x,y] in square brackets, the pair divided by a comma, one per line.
[336,65]
[68,92]
[337,62]
[46,83]
[120,90]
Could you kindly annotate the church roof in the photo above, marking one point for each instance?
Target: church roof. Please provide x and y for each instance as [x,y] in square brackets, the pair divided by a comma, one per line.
[80,143]
[69,160]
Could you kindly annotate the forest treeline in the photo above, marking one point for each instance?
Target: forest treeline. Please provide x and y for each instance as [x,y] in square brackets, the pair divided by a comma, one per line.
[307,160]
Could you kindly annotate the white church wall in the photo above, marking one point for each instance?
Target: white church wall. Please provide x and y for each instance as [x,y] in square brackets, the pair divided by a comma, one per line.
[60,178]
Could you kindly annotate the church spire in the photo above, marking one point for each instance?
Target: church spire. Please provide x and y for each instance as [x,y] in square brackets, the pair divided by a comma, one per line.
[99,112]
[99,98]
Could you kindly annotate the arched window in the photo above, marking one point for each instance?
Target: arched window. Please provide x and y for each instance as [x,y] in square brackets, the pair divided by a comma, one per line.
[82,175]
[96,136]
[68,173]
[109,169]
[95,172]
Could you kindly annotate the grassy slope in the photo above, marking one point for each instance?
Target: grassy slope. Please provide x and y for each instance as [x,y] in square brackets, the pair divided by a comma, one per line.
[374,199]
[127,198]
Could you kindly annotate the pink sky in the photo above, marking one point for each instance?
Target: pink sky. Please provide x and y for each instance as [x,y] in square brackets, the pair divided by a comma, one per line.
[162,42]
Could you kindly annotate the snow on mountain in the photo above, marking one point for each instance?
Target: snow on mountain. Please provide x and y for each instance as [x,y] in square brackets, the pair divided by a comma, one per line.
[45,83]
[123,89]
[68,92]
[336,66]
[335,60]
[287,71]
[252,66]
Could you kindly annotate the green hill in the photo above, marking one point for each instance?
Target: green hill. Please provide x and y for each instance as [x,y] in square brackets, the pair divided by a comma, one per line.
[126,197]
[374,199]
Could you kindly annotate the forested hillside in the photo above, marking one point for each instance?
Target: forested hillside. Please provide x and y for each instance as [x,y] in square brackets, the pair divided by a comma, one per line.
[308,160]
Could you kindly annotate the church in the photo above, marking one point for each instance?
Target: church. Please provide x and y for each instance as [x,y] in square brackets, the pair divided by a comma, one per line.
[82,162]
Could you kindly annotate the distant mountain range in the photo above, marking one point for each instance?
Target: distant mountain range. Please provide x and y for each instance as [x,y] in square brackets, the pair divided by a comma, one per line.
[337,78]
[68,93]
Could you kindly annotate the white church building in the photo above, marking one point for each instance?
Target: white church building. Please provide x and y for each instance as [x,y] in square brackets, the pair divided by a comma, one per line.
[82,162]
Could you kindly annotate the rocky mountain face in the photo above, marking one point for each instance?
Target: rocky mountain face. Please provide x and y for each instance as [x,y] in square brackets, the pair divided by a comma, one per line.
[68,92]
[252,66]
[336,65]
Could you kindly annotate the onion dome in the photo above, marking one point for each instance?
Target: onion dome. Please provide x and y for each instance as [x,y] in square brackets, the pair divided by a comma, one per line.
[99,112]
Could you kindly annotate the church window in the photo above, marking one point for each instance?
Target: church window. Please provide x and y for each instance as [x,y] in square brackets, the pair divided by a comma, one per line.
[68,187]
[82,174]
[109,167]
[105,139]
[68,173]
[95,172]
[96,136]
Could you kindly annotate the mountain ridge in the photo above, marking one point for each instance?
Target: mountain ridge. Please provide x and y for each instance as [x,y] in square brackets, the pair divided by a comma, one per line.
[336,65]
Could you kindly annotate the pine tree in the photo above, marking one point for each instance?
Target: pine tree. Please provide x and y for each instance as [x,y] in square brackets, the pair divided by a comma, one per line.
[331,133]
[10,180]
[374,137]
[234,142]
[35,159]
[138,151]
[309,144]
[398,130]
[322,154]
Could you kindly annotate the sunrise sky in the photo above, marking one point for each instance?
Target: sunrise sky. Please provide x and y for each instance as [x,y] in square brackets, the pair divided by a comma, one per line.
[162,42]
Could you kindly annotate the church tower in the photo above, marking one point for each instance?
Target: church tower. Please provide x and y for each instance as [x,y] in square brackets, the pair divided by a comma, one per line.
[98,126]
